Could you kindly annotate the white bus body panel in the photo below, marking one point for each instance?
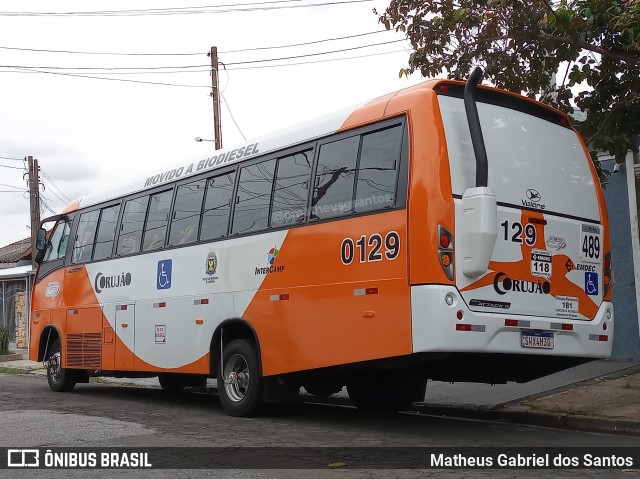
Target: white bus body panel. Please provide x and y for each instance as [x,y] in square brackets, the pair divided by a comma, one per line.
[434,328]
[176,308]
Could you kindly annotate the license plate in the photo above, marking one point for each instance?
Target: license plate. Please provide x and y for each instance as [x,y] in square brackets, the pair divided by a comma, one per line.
[536,339]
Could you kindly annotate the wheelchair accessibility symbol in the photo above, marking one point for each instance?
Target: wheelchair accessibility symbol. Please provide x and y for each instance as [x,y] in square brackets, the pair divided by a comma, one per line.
[163,279]
[591,283]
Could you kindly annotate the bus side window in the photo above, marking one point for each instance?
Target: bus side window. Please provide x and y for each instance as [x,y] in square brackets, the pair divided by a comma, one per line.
[254,196]
[377,170]
[57,248]
[334,180]
[291,188]
[85,237]
[106,232]
[217,205]
[130,237]
[157,220]
[186,213]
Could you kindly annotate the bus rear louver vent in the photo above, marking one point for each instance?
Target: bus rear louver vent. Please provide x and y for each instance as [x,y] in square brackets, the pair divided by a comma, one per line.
[84,350]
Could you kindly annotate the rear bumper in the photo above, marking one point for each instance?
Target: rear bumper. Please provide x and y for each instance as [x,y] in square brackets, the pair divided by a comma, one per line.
[434,328]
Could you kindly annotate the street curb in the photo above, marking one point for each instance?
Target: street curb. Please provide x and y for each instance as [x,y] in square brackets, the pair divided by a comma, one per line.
[525,417]
[572,422]
[10,357]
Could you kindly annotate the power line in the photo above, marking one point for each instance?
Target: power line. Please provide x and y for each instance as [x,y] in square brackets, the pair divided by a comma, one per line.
[152,10]
[314,61]
[56,187]
[44,205]
[306,43]
[12,167]
[231,8]
[78,52]
[315,54]
[232,118]
[82,52]
[12,159]
[71,71]
[111,79]
[64,202]
[58,196]
[105,70]
[11,186]
[30,70]
[108,68]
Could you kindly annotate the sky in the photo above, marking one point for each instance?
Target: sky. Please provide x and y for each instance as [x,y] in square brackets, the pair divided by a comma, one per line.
[88,133]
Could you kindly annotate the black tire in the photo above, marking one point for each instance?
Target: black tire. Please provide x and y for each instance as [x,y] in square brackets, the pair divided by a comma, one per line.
[60,379]
[240,384]
[385,395]
[175,383]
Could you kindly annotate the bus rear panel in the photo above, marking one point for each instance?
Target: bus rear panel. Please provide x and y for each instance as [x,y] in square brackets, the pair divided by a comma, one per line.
[543,302]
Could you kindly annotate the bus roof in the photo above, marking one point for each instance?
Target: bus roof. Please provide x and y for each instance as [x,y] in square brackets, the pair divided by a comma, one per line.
[343,119]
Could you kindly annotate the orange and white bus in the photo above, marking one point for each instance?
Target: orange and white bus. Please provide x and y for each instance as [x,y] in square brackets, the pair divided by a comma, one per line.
[447,231]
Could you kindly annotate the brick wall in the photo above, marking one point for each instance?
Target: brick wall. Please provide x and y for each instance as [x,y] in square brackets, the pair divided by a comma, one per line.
[21,320]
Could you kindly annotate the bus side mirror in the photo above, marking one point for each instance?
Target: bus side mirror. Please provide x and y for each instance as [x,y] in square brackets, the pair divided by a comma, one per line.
[41,239]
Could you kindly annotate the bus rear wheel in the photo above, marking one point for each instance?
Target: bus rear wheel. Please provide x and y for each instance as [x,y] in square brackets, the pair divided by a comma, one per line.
[60,379]
[240,382]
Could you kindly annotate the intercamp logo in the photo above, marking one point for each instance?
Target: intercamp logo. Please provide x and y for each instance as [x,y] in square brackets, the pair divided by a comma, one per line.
[23,458]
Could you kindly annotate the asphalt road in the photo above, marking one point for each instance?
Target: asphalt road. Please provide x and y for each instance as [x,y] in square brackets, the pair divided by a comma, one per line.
[107,415]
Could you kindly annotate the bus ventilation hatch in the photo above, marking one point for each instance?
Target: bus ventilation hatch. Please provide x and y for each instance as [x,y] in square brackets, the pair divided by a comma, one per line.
[84,350]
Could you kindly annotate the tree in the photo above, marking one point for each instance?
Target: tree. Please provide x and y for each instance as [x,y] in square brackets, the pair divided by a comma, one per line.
[572,54]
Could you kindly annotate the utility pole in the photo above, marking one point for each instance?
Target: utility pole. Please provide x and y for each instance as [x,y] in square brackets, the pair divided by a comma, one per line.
[215,95]
[34,202]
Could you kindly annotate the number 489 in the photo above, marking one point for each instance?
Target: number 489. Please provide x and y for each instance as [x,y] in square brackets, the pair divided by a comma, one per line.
[591,247]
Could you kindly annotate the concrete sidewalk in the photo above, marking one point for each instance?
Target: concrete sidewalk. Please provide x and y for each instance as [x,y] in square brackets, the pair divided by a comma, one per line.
[608,401]
[601,396]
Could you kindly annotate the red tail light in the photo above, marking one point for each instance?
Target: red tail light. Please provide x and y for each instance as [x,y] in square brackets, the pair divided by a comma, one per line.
[445,251]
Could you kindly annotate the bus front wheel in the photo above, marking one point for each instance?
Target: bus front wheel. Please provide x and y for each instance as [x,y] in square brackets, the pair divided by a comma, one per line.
[239,380]
[60,379]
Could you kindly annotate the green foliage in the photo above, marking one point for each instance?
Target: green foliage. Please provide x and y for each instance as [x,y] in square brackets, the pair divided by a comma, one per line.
[582,54]
[4,340]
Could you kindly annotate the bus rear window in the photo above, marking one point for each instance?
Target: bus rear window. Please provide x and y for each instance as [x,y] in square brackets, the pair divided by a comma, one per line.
[524,153]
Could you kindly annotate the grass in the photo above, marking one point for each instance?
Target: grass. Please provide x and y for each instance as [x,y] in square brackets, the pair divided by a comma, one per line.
[10,371]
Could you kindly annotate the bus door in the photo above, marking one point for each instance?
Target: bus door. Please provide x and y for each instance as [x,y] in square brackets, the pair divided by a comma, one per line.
[49,302]
[125,337]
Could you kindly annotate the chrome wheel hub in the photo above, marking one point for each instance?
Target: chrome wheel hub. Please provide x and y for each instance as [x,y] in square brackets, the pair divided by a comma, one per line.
[236,378]
[54,366]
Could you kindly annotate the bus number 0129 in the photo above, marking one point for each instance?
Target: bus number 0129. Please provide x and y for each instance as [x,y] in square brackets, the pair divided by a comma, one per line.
[370,249]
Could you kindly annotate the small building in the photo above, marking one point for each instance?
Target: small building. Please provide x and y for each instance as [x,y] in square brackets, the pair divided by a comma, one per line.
[16,273]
